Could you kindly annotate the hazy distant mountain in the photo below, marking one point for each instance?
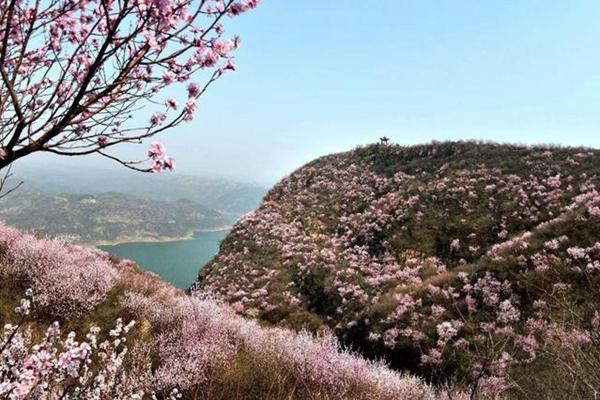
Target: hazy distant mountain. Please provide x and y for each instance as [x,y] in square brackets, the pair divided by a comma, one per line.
[231,197]
[107,217]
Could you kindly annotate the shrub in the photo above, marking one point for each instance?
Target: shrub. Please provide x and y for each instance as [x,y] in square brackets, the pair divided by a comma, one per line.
[202,344]
[61,367]
[68,280]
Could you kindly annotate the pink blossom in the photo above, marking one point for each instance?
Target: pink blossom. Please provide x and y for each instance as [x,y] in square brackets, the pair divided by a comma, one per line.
[446,331]
[156,150]
[230,65]
[189,109]
[171,103]
[169,163]
[193,90]
[242,6]
[507,312]
[209,59]
[433,357]
[168,77]
[157,118]
[528,344]
[471,303]
[455,244]
[577,252]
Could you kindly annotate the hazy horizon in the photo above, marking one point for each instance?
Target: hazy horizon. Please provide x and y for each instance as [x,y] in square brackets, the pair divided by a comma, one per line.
[84,165]
[314,80]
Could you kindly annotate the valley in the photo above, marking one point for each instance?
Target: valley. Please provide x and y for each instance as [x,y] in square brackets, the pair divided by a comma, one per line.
[151,208]
[176,261]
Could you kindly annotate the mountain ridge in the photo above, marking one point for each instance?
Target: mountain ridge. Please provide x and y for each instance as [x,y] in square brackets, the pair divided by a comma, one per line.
[108,218]
[225,195]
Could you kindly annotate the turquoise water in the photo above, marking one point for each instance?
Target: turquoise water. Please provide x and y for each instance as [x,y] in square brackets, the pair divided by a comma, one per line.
[176,262]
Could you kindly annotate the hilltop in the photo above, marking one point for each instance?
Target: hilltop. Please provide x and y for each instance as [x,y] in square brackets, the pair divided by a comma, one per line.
[467,263]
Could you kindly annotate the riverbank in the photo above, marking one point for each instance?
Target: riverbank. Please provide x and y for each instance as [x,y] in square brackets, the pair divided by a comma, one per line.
[161,239]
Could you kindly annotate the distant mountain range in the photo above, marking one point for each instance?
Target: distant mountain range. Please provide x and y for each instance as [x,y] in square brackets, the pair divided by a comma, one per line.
[223,195]
[108,217]
[96,207]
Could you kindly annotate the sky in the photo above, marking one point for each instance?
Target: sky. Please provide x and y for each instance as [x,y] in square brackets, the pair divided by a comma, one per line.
[316,77]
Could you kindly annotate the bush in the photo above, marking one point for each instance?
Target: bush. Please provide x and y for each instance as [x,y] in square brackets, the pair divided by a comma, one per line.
[69,280]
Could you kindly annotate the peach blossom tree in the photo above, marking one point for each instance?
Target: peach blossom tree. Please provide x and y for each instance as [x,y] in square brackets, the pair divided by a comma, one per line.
[74,74]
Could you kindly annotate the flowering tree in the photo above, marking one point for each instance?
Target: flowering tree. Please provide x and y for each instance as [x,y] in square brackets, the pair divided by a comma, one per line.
[73,73]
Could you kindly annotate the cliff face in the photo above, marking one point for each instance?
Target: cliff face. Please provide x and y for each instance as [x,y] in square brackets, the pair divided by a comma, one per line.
[412,252]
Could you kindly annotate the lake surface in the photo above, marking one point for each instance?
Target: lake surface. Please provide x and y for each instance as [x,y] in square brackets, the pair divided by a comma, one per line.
[176,262]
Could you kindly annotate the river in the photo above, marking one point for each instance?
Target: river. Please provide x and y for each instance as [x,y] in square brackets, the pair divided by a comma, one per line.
[176,262]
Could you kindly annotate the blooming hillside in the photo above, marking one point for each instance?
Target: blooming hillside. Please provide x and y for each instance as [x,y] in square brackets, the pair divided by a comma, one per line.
[467,263]
[130,335]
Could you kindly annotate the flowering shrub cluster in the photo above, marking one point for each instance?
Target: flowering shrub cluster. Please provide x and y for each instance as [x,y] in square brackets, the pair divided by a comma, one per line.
[68,280]
[438,257]
[201,340]
[180,346]
[64,368]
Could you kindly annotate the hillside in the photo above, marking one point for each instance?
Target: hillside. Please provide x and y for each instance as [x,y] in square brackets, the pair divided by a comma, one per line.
[80,324]
[227,196]
[107,217]
[468,263]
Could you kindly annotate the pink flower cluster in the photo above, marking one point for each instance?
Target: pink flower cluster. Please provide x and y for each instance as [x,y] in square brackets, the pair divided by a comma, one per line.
[160,161]
[68,280]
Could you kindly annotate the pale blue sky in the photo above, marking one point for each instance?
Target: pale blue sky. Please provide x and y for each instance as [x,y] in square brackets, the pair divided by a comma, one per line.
[316,77]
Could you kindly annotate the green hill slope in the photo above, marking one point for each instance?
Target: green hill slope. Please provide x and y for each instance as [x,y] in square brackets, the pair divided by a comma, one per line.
[443,258]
